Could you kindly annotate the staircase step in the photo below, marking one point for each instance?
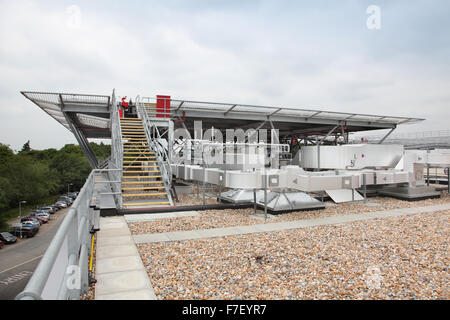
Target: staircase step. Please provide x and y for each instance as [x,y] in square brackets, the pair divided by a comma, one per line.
[133,135]
[137,177]
[135,145]
[139,157]
[144,194]
[143,188]
[135,171]
[137,142]
[141,161]
[140,182]
[145,204]
[126,167]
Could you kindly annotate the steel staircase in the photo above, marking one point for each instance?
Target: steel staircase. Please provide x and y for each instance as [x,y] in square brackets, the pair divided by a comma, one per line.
[143,184]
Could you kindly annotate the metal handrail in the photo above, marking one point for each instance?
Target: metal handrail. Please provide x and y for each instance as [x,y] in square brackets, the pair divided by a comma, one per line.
[116,151]
[160,152]
[157,113]
[62,272]
[437,134]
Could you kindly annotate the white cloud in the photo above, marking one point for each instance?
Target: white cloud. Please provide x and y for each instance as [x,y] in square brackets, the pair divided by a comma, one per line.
[264,53]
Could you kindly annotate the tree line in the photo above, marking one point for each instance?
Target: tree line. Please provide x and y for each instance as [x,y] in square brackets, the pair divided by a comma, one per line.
[33,175]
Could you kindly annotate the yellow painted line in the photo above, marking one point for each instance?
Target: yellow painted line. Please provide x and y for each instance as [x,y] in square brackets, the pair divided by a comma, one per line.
[92,253]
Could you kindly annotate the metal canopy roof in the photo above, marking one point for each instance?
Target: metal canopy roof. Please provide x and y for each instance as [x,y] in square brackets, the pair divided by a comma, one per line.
[287,120]
[88,113]
[309,114]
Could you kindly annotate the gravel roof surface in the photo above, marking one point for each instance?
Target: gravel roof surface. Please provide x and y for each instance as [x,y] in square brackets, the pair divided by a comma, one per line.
[403,257]
[241,217]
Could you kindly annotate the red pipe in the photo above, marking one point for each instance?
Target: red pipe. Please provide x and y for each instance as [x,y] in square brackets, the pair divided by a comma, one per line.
[181,120]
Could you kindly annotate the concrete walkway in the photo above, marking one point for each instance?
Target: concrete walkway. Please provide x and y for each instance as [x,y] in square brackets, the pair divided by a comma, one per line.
[278,226]
[119,270]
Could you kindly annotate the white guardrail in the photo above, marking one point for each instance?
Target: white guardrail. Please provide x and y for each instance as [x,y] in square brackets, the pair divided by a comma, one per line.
[62,273]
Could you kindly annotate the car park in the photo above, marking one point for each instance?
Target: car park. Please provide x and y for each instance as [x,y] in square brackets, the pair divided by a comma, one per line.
[7,237]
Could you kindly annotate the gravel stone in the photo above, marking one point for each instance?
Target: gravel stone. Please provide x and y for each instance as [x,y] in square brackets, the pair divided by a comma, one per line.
[242,217]
[403,257]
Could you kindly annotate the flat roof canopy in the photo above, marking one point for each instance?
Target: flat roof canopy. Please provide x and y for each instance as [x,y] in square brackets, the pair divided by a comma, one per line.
[287,120]
[89,113]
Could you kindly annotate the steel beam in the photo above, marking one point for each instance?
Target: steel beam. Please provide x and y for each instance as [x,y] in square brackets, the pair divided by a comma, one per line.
[283,118]
[387,135]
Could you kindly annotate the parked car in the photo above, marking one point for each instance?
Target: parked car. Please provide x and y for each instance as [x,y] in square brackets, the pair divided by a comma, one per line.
[71,195]
[55,207]
[1,245]
[7,238]
[65,199]
[61,204]
[43,216]
[31,220]
[49,209]
[41,212]
[25,229]
[44,213]
[42,219]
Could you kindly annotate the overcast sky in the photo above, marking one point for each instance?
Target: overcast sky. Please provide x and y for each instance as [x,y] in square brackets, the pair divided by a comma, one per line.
[306,54]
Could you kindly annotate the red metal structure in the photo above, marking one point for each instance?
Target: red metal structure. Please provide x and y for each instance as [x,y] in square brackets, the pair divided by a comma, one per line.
[162,106]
